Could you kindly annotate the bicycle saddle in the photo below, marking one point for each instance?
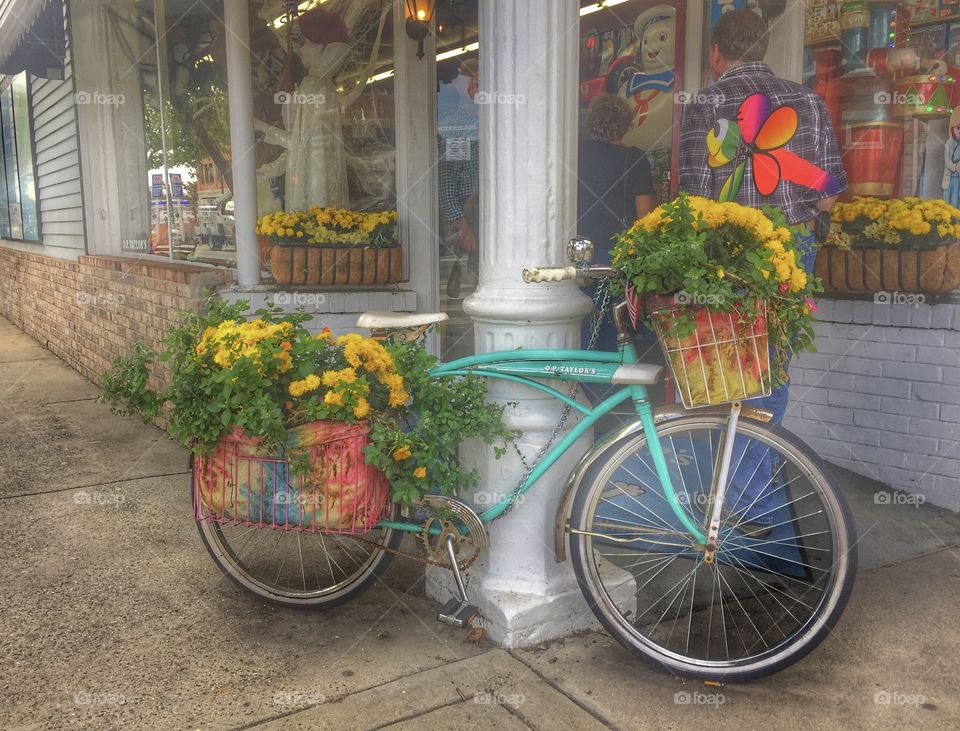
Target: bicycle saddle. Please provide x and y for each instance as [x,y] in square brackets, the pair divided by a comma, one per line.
[376,320]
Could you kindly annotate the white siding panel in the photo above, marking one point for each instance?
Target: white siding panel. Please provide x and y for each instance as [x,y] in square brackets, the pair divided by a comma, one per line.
[55,136]
[50,153]
[62,104]
[61,184]
[70,202]
[62,215]
[58,161]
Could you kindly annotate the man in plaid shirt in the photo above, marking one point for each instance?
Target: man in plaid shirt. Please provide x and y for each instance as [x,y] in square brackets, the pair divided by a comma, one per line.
[736,61]
[802,181]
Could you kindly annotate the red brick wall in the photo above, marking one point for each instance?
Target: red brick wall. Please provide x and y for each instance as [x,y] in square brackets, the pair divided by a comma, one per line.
[92,310]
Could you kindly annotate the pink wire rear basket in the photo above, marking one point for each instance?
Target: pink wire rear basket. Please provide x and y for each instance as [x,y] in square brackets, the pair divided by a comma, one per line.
[241,484]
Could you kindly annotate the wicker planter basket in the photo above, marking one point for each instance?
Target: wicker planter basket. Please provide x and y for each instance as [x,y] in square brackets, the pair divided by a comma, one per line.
[336,265]
[726,357]
[241,483]
[873,269]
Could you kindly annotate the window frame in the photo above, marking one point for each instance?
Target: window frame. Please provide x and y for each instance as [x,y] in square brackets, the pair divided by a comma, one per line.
[6,82]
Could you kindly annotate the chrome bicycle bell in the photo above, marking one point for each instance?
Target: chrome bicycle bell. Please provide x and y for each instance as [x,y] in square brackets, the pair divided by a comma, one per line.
[580,251]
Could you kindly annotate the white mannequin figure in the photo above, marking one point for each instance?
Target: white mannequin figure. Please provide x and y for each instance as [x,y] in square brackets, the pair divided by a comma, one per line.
[314,160]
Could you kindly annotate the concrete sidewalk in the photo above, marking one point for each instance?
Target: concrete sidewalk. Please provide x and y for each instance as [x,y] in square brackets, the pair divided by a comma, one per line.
[114,616]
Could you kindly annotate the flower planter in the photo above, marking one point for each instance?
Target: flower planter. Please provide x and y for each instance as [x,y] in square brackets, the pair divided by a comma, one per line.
[873,269]
[294,263]
[725,358]
[265,247]
[241,483]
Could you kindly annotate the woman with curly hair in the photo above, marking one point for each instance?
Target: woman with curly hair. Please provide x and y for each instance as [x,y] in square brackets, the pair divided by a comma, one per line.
[616,186]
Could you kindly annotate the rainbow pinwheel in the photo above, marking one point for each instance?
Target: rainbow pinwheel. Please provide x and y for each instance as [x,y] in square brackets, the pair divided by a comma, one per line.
[761,135]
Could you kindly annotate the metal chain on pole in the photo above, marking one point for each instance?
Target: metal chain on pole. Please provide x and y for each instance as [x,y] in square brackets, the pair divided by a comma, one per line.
[601,304]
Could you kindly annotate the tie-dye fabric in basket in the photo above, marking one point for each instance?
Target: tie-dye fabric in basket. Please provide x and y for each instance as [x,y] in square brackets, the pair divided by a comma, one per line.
[241,482]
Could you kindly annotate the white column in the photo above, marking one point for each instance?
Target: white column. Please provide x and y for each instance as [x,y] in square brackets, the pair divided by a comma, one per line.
[242,143]
[528,196]
[415,98]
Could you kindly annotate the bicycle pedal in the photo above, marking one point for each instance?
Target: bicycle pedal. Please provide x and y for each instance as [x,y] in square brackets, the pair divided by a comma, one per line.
[457,613]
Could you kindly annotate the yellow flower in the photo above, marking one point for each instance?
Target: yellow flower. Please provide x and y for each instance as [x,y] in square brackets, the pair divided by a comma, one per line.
[420,473]
[332,378]
[298,388]
[362,408]
[332,398]
[402,453]
[720,272]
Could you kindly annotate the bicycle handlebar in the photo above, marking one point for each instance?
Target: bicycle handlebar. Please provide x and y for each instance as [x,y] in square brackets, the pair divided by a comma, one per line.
[548,274]
[558,274]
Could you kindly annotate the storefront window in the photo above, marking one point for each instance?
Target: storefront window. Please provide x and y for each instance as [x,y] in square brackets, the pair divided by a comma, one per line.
[325,135]
[889,76]
[18,196]
[170,102]
[458,170]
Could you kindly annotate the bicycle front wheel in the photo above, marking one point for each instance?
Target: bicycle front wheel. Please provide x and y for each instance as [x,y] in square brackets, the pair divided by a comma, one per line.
[785,559]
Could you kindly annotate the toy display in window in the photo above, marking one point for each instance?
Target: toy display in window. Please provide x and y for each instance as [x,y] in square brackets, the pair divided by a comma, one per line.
[650,90]
[951,159]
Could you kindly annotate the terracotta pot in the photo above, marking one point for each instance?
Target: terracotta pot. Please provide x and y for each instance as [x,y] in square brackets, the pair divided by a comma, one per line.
[265,248]
[873,269]
[336,265]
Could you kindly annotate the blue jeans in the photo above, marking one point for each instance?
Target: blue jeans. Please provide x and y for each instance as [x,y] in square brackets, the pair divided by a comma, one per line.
[752,488]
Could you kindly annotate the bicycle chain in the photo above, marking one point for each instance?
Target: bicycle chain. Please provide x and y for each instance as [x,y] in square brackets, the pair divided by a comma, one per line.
[420,558]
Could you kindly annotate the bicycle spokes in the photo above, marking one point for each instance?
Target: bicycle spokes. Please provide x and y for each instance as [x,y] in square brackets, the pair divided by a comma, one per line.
[775,554]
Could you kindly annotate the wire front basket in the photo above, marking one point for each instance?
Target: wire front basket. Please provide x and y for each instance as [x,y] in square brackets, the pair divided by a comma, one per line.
[241,484]
[725,357]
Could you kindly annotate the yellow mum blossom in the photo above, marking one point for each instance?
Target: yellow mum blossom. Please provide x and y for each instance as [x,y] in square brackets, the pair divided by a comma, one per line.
[308,384]
[420,473]
[402,453]
[332,378]
[362,408]
[333,398]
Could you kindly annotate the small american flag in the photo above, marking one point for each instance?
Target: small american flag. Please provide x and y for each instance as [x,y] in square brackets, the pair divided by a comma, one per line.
[634,301]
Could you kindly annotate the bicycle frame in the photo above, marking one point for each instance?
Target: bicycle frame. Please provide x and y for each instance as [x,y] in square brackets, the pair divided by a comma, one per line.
[530,367]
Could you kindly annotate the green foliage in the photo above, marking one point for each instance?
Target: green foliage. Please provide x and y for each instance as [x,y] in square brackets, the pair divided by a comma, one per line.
[270,375]
[443,412]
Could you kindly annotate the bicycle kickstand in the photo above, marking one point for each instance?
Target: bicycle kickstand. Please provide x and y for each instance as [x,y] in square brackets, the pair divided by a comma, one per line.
[458,611]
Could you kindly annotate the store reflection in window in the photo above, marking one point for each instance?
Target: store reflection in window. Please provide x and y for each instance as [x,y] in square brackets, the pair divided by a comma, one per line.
[458,159]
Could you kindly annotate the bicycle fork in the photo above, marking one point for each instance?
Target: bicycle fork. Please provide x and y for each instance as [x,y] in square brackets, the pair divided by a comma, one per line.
[708,534]
[718,489]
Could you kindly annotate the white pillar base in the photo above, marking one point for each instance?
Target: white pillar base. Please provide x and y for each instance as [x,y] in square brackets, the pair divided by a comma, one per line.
[524,595]
[520,619]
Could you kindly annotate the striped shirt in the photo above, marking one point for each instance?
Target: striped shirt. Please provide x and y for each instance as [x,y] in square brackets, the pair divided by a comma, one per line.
[814,140]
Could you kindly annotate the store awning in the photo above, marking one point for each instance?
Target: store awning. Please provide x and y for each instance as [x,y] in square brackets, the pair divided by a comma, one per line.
[32,37]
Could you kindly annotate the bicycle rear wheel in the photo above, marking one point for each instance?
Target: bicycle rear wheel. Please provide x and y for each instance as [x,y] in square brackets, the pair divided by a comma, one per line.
[785,560]
[300,569]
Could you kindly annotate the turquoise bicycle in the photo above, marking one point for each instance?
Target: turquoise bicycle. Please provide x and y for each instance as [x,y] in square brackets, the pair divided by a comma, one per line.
[707,540]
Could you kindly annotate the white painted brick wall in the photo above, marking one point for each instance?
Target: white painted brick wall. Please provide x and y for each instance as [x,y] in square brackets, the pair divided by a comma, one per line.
[881,396]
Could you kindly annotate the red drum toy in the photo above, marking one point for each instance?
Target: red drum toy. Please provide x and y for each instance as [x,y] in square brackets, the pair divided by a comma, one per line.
[871,156]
